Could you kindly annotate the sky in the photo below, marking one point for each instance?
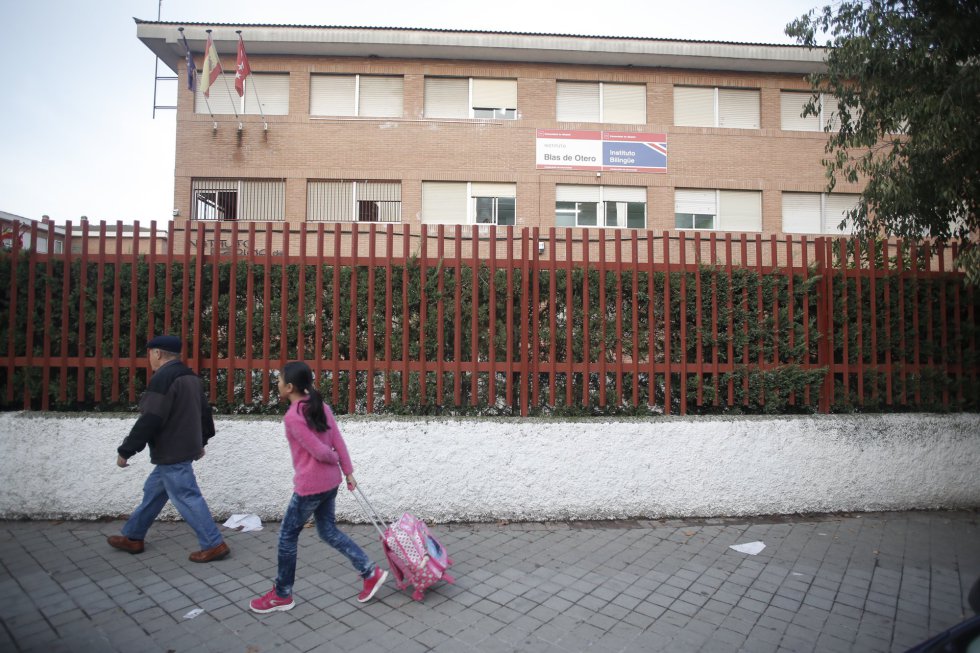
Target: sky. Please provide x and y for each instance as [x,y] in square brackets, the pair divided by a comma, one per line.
[77,129]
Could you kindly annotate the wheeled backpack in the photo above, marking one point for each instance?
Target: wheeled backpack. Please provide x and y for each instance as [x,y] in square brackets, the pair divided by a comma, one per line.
[415,556]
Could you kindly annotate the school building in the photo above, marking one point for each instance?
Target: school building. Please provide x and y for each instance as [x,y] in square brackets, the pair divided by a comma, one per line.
[428,127]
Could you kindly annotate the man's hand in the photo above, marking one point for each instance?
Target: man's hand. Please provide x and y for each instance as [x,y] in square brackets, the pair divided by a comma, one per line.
[200,455]
[122,462]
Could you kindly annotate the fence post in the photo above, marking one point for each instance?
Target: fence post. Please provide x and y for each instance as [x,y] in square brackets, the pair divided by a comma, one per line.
[824,301]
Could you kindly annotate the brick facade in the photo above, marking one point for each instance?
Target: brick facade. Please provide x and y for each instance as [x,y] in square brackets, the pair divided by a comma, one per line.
[412,149]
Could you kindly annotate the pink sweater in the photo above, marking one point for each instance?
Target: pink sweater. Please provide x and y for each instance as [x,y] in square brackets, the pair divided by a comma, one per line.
[315,455]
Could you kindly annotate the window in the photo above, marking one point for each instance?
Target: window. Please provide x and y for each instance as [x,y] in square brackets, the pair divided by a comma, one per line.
[791,109]
[265,94]
[461,97]
[716,107]
[456,202]
[356,95]
[238,199]
[723,210]
[353,201]
[494,203]
[816,213]
[606,206]
[601,102]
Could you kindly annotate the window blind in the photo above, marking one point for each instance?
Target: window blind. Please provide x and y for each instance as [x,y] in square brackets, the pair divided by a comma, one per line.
[380,96]
[801,213]
[695,201]
[835,206]
[624,103]
[738,108]
[495,93]
[576,193]
[272,91]
[444,202]
[791,108]
[740,210]
[332,95]
[694,107]
[447,97]
[485,189]
[577,102]
[624,194]
[221,101]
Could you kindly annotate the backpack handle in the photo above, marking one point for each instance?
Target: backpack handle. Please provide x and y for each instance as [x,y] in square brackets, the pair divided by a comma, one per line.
[368,510]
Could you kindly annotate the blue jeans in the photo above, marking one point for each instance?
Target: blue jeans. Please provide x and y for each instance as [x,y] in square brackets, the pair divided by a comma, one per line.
[321,506]
[177,483]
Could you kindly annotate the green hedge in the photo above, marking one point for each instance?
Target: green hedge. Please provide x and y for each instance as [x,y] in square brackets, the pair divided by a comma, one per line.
[790,380]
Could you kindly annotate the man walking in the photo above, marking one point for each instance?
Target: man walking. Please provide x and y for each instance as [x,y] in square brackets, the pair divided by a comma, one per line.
[176,421]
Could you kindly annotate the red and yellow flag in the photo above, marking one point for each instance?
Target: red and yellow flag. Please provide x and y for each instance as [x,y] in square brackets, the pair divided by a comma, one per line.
[211,65]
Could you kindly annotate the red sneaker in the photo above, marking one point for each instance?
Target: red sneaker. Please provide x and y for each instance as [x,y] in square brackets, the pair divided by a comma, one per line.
[372,584]
[271,602]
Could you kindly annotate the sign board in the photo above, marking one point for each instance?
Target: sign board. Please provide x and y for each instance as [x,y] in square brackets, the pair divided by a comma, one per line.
[571,149]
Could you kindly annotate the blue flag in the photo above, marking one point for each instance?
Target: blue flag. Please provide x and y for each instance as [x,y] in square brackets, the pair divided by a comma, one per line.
[191,70]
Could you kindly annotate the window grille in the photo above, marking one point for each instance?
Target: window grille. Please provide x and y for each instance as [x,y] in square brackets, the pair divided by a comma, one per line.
[354,201]
[238,199]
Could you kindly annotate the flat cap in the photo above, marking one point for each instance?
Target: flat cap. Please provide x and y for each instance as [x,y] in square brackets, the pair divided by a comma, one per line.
[166,343]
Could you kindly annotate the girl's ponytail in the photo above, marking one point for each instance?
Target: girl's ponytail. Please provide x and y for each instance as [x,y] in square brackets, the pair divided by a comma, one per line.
[316,416]
[300,376]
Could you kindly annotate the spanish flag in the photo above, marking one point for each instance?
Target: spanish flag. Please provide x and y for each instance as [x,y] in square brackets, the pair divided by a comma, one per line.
[212,66]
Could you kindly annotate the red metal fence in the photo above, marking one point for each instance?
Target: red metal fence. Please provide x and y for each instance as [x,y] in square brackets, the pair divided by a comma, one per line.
[514,320]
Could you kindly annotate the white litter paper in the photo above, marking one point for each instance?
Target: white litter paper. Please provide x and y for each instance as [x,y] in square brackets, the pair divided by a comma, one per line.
[245,523]
[752,548]
[193,613]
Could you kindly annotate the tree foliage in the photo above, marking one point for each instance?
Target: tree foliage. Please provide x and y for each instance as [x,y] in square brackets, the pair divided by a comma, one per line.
[906,76]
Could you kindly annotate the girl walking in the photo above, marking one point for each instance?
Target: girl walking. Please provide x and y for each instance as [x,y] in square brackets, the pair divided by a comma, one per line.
[317,447]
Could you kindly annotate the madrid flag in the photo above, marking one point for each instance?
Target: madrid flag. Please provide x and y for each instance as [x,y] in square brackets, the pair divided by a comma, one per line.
[242,69]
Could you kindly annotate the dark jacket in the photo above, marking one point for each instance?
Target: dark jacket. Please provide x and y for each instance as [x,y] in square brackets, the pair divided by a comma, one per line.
[175,418]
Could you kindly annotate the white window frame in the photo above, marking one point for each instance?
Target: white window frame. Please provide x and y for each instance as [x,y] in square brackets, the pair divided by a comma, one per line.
[608,196]
[499,113]
[717,118]
[469,192]
[262,200]
[358,195]
[831,209]
[718,216]
[820,121]
[602,101]
[356,110]
[222,103]
[494,210]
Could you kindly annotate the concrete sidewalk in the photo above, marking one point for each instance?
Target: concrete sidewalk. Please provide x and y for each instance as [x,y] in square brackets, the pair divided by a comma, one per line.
[858,582]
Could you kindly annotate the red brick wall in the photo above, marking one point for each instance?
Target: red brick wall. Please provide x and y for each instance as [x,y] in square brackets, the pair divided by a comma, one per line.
[412,150]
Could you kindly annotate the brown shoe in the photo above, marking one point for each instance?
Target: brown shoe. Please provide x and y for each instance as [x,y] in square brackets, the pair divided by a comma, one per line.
[123,543]
[209,555]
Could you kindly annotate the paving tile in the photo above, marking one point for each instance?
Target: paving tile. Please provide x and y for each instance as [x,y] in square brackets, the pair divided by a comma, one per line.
[556,588]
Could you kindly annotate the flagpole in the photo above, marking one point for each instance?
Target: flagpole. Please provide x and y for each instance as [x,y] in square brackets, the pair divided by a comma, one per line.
[190,59]
[227,88]
[232,97]
[255,91]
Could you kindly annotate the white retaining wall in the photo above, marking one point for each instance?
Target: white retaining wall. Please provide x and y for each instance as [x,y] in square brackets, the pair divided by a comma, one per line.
[63,466]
